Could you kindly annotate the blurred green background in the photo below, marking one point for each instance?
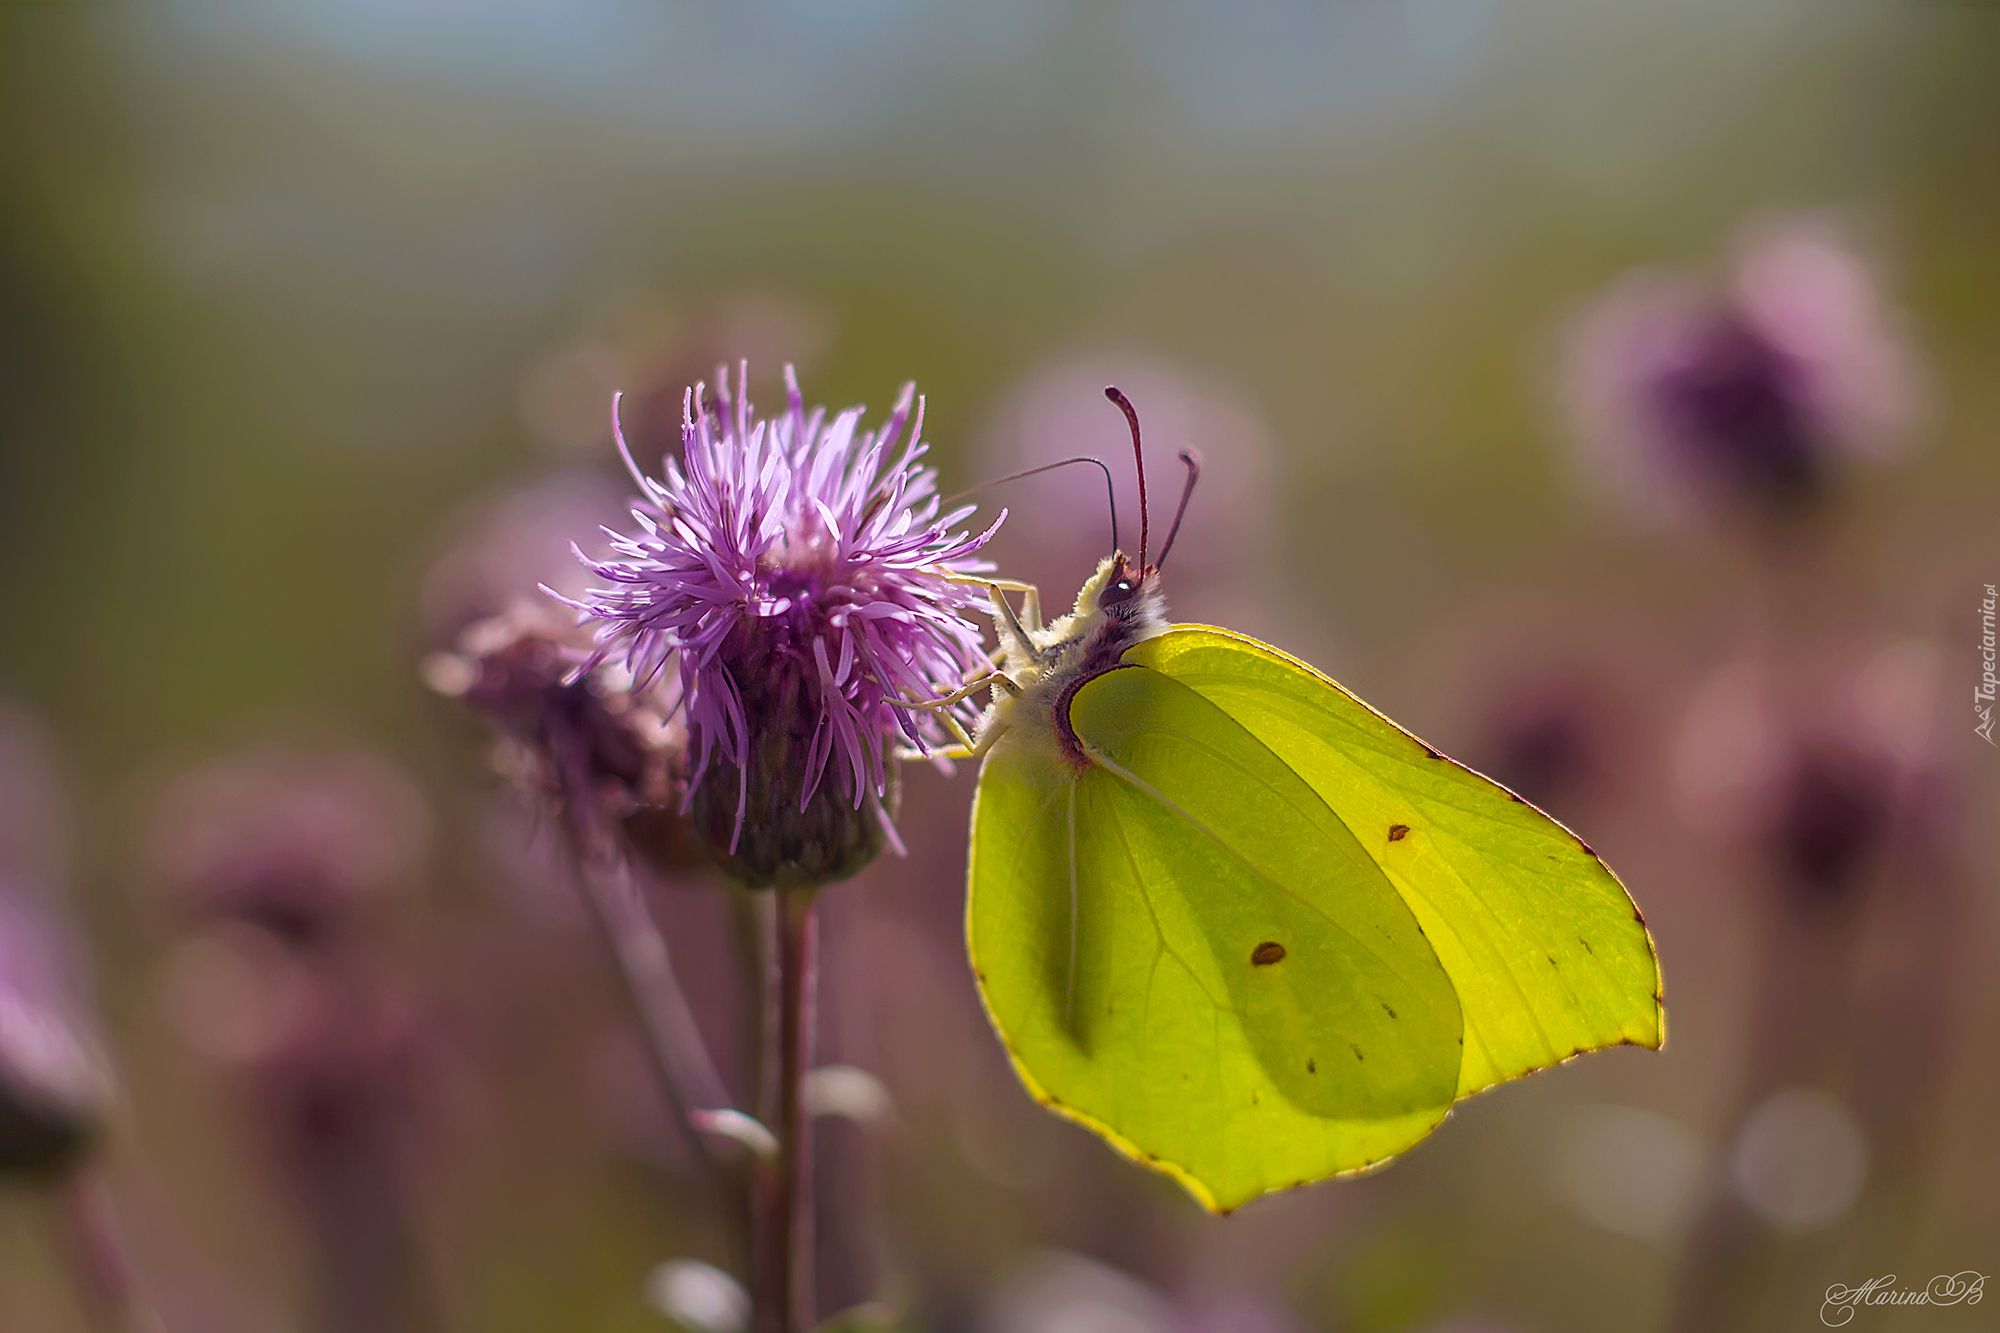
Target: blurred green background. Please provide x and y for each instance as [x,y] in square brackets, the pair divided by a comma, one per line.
[290,292]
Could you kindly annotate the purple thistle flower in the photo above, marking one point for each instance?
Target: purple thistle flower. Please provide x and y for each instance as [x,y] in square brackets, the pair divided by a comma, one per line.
[1750,396]
[794,571]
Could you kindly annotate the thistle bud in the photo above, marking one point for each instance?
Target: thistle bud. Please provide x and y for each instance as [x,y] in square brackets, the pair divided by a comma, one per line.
[514,658]
[803,834]
[556,728]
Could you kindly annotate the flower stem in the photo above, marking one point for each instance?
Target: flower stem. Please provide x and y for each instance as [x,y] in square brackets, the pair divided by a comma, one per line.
[785,1277]
[686,1071]
[104,1275]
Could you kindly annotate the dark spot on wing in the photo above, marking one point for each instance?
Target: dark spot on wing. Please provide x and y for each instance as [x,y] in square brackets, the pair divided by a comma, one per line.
[1311,1068]
[1552,960]
[1586,847]
[1586,944]
[1387,1010]
[1254,1101]
[1267,953]
[1429,751]
[1398,832]
[1357,1051]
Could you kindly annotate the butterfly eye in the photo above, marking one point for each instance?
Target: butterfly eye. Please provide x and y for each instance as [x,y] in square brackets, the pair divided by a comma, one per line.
[1119,591]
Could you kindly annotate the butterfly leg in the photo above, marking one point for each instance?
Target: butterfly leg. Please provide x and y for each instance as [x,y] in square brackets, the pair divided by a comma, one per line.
[1003,614]
[967,748]
[1031,601]
[967,745]
[1031,597]
[991,678]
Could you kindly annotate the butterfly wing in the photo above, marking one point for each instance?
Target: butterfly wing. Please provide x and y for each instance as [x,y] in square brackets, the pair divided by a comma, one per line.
[1547,953]
[1184,948]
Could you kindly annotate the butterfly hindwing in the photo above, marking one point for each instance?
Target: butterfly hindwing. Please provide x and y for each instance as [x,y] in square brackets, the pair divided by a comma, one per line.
[1186,949]
[1547,953]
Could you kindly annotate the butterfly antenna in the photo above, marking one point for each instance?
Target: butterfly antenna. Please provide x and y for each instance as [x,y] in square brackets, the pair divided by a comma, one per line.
[1110,494]
[1193,461]
[1132,418]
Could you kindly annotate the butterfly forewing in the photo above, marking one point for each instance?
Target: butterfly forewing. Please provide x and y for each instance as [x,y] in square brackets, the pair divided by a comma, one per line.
[1547,953]
[1184,947]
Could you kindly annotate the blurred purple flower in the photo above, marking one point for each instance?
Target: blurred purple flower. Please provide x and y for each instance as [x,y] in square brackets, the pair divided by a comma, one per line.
[292,841]
[796,575]
[1833,821]
[1820,772]
[514,656]
[520,670]
[1750,398]
[652,351]
[1544,739]
[56,1086]
[1226,563]
[507,544]
[292,983]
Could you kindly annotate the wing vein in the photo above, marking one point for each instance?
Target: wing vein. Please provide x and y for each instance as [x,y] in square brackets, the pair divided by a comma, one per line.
[1146,897]
[1505,952]
[1133,780]
[1069,997]
[1404,750]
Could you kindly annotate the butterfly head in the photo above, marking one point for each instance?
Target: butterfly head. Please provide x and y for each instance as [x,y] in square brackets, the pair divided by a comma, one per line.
[1124,601]
[1124,592]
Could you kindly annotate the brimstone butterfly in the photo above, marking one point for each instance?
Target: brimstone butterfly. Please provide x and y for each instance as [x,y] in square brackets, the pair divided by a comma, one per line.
[1245,927]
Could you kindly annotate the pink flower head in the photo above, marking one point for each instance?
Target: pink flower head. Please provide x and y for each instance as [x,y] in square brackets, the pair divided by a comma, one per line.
[1750,396]
[795,572]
